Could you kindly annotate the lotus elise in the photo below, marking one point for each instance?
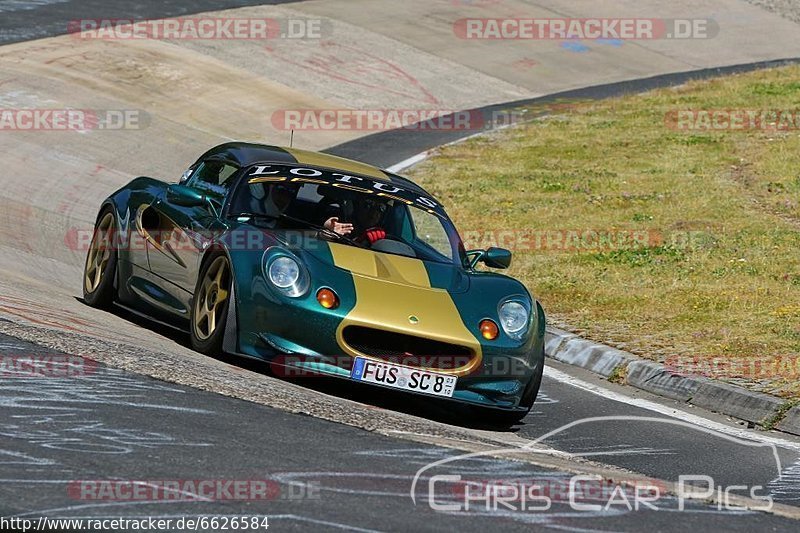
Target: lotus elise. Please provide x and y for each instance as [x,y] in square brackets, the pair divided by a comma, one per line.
[321,264]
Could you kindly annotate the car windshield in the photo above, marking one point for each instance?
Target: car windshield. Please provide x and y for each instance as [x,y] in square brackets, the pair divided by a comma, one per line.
[373,214]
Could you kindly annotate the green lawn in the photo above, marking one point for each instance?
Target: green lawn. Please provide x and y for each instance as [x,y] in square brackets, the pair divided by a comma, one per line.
[676,245]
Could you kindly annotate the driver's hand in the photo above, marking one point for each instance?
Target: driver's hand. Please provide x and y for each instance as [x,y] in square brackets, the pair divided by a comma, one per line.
[375,234]
[342,228]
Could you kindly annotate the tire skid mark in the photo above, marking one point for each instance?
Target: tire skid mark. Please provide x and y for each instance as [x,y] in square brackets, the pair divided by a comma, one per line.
[59,319]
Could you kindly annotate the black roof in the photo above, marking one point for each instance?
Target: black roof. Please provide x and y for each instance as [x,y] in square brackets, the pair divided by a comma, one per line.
[245,154]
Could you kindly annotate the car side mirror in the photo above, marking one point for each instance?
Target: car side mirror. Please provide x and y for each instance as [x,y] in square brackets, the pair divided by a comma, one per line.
[497,258]
[185,196]
[493,257]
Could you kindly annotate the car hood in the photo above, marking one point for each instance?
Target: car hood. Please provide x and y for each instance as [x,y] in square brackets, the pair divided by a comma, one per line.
[391,268]
[366,263]
[401,295]
[407,296]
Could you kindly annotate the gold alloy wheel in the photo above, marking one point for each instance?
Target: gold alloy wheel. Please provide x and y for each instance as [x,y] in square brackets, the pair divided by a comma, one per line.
[210,298]
[99,253]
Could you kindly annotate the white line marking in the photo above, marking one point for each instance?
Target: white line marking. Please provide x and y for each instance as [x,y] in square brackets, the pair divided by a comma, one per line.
[406,163]
[422,156]
[26,5]
[46,512]
[685,416]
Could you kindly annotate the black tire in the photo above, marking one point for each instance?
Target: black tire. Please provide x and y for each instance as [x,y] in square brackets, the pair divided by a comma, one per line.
[100,268]
[205,338]
[495,417]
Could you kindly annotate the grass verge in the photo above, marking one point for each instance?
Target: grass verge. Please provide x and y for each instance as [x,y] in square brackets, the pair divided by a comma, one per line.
[647,230]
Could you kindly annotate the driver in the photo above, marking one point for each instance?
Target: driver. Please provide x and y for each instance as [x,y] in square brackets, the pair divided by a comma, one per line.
[367,216]
[278,199]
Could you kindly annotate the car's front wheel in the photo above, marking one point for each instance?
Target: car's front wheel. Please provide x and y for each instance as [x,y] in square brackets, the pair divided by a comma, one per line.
[101,263]
[210,305]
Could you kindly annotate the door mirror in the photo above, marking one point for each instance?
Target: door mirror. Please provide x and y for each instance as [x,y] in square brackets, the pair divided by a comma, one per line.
[496,258]
[185,196]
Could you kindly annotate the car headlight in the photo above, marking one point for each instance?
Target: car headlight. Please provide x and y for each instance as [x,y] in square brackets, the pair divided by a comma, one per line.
[287,275]
[514,318]
[284,272]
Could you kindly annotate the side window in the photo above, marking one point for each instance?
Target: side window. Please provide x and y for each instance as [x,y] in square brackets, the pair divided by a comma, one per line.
[212,177]
[406,229]
[429,230]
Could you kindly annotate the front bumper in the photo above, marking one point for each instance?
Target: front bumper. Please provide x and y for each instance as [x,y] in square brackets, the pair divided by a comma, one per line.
[498,382]
[298,337]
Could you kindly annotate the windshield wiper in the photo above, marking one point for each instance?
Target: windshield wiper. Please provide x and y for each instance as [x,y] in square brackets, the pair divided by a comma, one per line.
[317,227]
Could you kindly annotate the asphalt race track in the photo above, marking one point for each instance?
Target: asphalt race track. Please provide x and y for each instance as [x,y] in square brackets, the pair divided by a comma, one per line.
[58,434]
[335,457]
[114,425]
[24,21]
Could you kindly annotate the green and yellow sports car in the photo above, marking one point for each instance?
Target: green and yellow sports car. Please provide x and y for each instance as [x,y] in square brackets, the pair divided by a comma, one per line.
[320,264]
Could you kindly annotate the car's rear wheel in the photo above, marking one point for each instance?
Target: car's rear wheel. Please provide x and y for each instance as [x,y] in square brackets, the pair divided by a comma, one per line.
[101,263]
[210,305]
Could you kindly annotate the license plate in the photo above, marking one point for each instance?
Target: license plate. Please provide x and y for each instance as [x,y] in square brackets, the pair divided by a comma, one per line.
[403,377]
